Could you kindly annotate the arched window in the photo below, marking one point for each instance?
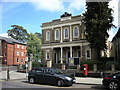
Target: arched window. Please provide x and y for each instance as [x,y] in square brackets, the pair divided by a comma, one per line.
[47,35]
[76,32]
[66,33]
[56,34]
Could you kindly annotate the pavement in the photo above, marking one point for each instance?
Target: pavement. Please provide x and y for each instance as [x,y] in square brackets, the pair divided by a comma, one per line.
[14,75]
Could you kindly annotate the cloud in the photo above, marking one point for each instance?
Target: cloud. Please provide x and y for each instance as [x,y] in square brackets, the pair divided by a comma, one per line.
[4,35]
[114,5]
[48,5]
[77,5]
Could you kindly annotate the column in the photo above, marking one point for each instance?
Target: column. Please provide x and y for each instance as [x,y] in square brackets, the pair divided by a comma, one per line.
[70,51]
[61,35]
[61,55]
[70,33]
[81,51]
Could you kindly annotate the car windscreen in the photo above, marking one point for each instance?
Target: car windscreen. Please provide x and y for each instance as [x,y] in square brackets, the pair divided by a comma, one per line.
[57,71]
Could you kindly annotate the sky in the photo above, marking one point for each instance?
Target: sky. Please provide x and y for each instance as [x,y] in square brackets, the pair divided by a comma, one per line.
[30,14]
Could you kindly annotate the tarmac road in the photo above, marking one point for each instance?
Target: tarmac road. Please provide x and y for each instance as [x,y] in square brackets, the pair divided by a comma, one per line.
[24,84]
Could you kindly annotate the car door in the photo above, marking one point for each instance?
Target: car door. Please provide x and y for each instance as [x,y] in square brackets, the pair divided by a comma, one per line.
[39,75]
[49,76]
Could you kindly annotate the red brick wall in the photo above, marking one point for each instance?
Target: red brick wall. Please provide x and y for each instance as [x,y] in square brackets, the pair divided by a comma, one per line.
[10,50]
[4,50]
[20,57]
[12,56]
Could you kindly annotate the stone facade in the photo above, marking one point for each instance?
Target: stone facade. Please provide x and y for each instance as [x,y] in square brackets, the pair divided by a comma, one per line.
[115,48]
[71,41]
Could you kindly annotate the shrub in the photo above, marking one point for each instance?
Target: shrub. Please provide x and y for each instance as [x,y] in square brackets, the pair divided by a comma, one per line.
[37,64]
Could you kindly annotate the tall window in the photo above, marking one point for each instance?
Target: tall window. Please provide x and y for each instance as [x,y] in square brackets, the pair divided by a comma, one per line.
[22,47]
[47,35]
[66,33]
[56,34]
[17,60]
[76,32]
[88,54]
[18,46]
[18,53]
[47,55]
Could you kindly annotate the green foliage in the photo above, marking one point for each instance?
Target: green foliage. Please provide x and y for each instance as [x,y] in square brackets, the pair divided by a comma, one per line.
[34,46]
[38,35]
[98,21]
[90,63]
[109,63]
[18,33]
[37,64]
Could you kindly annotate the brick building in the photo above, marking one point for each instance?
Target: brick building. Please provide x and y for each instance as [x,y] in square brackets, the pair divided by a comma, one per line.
[63,39]
[13,52]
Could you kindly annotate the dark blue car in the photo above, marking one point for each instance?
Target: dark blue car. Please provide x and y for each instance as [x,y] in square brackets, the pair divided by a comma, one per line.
[49,76]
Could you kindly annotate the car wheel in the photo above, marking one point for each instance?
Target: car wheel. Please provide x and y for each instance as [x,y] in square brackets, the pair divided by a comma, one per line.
[60,83]
[113,85]
[32,80]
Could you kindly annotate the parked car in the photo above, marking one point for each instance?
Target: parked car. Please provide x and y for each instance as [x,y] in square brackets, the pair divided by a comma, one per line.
[49,76]
[112,81]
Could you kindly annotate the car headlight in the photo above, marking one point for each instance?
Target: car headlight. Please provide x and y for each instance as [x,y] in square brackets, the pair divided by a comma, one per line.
[68,78]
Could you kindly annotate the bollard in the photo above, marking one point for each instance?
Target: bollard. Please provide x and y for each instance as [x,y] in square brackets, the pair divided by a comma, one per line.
[8,74]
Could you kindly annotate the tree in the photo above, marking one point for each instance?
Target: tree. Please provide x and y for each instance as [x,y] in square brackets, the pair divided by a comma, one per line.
[38,35]
[18,33]
[34,47]
[98,21]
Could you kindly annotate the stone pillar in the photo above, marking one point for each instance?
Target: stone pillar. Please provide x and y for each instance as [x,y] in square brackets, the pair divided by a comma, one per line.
[78,68]
[49,63]
[70,33]
[61,55]
[95,68]
[29,65]
[70,51]
[63,66]
[81,56]
[61,36]
[113,68]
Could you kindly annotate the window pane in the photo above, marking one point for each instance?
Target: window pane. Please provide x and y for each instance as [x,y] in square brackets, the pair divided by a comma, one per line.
[57,34]
[75,32]
[66,33]
[88,53]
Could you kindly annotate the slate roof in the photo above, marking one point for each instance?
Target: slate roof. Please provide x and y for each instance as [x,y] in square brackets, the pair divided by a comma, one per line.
[11,40]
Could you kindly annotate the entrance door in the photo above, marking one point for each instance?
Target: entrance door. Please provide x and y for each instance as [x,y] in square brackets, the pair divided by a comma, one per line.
[67,56]
[55,58]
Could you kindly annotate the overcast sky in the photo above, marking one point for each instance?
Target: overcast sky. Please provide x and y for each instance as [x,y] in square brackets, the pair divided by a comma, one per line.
[32,13]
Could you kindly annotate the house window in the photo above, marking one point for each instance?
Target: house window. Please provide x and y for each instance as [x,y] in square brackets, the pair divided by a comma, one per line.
[66,33]
[22,47]
[22,60]
[17,60]
[56,34]
[88,54]
[22,54]
[47,35]
[47,55]
[76,32]
[5,54]
[18,46]
[18,53]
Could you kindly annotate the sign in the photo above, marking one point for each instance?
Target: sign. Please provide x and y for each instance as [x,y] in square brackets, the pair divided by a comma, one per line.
[74,61]
[71,61]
